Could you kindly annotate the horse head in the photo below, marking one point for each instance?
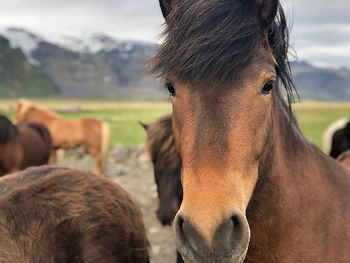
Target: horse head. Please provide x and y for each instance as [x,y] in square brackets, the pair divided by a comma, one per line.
[222,62]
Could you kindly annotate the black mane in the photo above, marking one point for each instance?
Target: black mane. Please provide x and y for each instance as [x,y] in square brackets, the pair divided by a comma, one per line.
[213,40]
[7,130]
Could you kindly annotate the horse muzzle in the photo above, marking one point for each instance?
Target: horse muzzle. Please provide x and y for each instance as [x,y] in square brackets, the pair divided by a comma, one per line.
[229,243]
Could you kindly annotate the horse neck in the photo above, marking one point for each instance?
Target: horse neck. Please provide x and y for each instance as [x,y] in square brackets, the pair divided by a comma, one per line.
[294,176]
[41,116]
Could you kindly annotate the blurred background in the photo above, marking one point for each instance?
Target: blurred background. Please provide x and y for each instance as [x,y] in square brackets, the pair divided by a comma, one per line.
[74,52]
[86,58]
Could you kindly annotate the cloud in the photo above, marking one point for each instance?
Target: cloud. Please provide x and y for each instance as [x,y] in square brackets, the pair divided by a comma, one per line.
[137,19]
[320,30]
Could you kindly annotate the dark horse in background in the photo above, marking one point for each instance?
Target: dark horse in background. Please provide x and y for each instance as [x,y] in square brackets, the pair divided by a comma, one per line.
[167,169]
[336,138]
[51,214]
[254,188]
[23,145]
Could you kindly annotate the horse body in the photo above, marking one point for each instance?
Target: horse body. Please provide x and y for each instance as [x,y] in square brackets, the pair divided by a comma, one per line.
[254,189]
[289,215]
[66,134]
[27,144]
[35,141]
[11,157]
[52,214]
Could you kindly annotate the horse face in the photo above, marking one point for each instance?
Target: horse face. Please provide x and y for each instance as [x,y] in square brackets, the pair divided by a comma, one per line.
[221,131]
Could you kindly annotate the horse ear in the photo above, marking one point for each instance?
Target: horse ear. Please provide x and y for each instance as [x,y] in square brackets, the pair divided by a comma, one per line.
[167,6]
[266,11]
[145,126]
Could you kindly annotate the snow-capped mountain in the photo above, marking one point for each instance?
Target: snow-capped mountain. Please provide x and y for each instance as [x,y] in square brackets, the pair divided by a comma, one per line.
[19,78]
[99,65]
[86,43]
[94,43]
[26,41]
[90,65]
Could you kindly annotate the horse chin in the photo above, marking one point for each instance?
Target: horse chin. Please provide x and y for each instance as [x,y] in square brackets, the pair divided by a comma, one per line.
[212,258]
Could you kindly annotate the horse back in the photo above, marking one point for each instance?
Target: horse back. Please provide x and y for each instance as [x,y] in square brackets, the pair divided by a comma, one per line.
[51,214]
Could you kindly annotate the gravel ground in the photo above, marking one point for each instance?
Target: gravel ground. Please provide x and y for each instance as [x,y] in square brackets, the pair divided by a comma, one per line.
[130,168]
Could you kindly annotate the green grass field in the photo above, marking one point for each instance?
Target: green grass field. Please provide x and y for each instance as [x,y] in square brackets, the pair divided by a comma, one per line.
[313,117]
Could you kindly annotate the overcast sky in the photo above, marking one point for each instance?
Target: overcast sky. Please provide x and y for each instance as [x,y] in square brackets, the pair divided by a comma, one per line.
[321,28]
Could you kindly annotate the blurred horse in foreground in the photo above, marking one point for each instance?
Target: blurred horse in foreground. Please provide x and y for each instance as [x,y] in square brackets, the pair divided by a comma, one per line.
[254,188]
[66,134]
[27,144]
[52,214]
[336,138]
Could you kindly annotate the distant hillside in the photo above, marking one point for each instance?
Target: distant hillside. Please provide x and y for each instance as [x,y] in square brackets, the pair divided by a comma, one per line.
[93,66]
[98,65]
[321,84]
[20,78]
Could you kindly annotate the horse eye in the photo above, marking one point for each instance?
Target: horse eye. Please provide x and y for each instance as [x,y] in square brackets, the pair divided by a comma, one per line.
[268,87]
[171,89]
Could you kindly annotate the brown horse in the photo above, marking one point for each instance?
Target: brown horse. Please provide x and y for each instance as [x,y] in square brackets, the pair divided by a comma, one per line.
[250,178]
[66,134]
[27,144]
[51,214]
[167,167]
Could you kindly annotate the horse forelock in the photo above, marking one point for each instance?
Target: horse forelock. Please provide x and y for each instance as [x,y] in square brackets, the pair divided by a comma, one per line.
[214,40]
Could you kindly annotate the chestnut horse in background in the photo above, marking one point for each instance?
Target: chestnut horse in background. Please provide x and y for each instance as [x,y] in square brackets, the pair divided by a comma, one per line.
[66,134]
[27,144]
[53,214]
[254,188]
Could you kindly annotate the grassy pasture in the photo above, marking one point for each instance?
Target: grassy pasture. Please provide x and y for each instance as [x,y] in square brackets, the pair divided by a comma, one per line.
[313,117]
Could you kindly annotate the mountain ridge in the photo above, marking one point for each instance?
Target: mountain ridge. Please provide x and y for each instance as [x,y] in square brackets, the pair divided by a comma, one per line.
[20,78]
[99,65]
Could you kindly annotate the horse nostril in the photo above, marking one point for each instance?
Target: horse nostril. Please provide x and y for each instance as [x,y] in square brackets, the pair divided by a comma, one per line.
[230,239]
[188,237]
